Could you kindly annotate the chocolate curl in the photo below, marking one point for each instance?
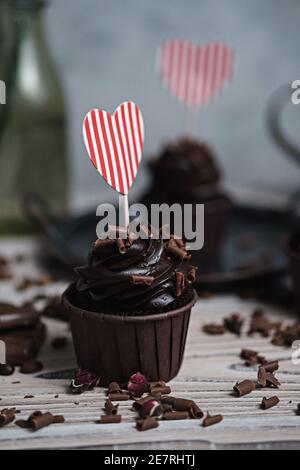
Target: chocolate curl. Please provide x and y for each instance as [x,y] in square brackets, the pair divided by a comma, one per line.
[272,381]
[6,417]
[261,360]
[174,415]
[110,408]
[298,409]
[271,366]
[102,243]
[118,396]
[244,387]
[269,402]
[160,387]
[179,242]
[150,408]
[144,280]
[180,282]
[260,324]
[183,404]
[114,387]
[195,411]
[191,275]
[110,419]
[139,403]
[211,420]
[262,377]
[58,419]
[40,420]
[248,354]
[145,424]
[234,323]
[173,250]
[251,361]
[214,329]
[121,246]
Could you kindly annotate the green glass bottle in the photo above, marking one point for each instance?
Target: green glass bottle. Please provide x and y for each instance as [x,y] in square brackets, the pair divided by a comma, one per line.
[33,155]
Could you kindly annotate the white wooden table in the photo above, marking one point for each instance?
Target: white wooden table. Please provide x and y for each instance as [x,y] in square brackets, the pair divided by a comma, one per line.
[211,367]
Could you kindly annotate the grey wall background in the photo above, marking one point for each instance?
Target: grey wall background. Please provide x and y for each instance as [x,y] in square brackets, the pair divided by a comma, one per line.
[105,52]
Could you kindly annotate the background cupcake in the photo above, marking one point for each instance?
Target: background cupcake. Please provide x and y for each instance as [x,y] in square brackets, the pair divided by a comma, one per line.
[186,172]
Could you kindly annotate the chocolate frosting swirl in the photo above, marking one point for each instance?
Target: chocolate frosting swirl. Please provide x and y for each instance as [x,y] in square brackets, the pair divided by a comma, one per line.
[138,280]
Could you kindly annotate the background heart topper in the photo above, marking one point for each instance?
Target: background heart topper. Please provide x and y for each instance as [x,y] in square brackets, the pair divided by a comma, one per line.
[195,74]
[114,144]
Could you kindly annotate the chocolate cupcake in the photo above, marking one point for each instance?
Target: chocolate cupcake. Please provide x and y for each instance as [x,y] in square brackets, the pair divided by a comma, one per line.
[129,310]
[293,252]
[186,172]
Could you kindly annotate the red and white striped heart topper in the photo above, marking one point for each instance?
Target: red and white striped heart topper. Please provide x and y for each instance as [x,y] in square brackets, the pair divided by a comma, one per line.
[195,75]
[114,144]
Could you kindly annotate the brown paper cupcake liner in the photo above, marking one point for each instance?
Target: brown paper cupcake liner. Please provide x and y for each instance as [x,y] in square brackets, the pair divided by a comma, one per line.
[115,347]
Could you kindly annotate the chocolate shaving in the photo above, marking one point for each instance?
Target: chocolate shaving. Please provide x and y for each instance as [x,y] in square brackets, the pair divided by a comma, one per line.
[6,417]
[110,419]
[272,381]
[180,283]
[160,387]
[179,242]
[110,408]
[174,415]
[40,420]
[269,402]
[191,275]
[138,403]
[248,354]
[243,388]
[145,280]
[211,420]
[271,366]
[195,411]
[262,377]
[145,424]
[118,396]
[173,249]
[58,419]
[114,387]
[260,324]
[234,323]
[214,329]
[298,409]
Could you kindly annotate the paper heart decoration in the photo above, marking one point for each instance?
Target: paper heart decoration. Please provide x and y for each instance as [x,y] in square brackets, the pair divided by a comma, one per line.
[195,74]
[114,143]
